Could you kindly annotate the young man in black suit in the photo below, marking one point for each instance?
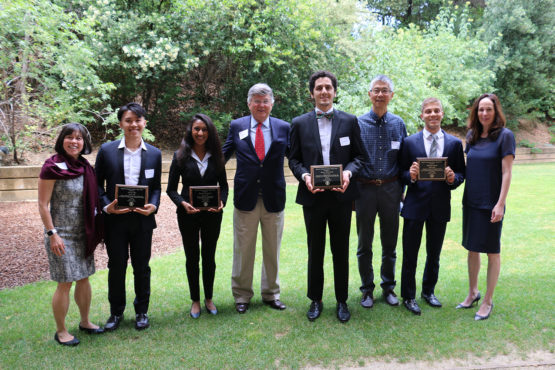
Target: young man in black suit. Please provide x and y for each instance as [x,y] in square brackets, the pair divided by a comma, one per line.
[427,202]
[129,161]
[321,137]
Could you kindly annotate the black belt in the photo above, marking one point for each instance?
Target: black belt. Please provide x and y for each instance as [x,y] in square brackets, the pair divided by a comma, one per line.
[378,182]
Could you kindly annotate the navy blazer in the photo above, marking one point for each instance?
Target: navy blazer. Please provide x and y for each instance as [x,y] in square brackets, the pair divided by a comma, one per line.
[430,199]
[190,176]
[252,176]
[109,172]
[306,149]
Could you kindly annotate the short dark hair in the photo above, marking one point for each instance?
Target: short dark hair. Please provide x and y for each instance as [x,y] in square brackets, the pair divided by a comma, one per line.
[475,128]
[320,74]
[69,129]
[133,107]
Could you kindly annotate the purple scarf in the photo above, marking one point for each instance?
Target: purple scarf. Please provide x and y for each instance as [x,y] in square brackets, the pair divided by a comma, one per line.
[91,204]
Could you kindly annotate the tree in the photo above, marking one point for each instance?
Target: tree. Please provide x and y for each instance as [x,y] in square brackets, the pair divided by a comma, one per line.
[522,53]
[443,61]
[47,72]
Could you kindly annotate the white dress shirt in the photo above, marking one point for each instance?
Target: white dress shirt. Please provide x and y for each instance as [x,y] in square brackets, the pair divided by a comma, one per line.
[201,164]
[428,142]
[131,162]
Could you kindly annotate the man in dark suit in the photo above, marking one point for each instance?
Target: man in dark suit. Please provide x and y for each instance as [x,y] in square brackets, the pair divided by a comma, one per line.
[260,143]
[427,202]
[326,136]
[129,161]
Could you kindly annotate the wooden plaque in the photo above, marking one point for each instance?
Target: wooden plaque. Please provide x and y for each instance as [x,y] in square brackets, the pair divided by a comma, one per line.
[432,169]
[204,197]
[131,196]
[327,176]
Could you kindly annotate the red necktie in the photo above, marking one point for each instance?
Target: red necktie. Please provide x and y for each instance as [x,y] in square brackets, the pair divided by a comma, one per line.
[259,142]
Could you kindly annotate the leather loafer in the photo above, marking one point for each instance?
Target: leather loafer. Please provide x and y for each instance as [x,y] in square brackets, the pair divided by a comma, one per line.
[391,298]
[479,317]
[315,310]
[141,321]
[412,306]
[431,299]
[98,330]
[241,307]
[211,312]
[113,322]
[343,313]
[367,301]
[276,304]
[69,343]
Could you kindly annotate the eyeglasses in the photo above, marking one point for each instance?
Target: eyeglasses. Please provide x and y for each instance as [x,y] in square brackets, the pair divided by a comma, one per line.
[378,91]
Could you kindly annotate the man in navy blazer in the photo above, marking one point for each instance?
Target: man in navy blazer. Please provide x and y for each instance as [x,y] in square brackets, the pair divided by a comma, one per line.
[129,161]
[260,143]
[326,136]
[427,202]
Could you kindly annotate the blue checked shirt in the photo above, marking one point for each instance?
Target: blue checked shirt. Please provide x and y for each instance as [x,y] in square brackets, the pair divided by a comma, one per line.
[382,138]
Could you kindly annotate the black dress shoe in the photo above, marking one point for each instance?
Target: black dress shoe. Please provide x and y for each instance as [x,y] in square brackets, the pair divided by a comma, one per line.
[141,321]
[367,301]
[113,322]
[241,307]
[391,298]
[479,317]
[343,313]
[211,312]
[315,310]
[276,304]
[431,299]
[98,330]
[475,300]
[69,343]
[412,306]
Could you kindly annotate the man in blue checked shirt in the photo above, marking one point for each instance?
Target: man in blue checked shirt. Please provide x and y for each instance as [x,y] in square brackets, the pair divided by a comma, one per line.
[380,190]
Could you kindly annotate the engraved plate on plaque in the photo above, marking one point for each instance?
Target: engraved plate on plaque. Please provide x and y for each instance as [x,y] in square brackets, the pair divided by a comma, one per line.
[327,176]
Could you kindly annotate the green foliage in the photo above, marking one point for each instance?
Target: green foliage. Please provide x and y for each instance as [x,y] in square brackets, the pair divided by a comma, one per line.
[443,61]
[521,47]
[47,72]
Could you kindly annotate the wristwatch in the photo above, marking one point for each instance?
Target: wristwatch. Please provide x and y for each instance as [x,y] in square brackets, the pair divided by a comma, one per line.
[51,232]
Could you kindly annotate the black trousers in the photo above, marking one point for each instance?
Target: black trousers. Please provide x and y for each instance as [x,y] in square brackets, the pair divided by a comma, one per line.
[337,215]
[124,237]
[207,226]
[412,236]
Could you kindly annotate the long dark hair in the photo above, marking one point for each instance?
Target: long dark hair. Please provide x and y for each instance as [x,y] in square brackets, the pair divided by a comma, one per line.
[475,128]
[213,144]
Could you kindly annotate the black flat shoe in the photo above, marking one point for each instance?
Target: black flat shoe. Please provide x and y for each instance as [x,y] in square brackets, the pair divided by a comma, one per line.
[113,322]
[141,321]
[478,296]
[479,317]
[193,314]
[343,313]
[70,343]
[315,310]
[211,312]
[412,306]
[98,330]
[431,299]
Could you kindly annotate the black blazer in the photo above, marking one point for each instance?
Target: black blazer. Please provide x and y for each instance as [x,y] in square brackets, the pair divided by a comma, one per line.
[430,199]
[109,172]
[346,149]
[190,176]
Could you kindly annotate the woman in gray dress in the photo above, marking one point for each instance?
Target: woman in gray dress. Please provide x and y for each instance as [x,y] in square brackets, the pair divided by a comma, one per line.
[73,226]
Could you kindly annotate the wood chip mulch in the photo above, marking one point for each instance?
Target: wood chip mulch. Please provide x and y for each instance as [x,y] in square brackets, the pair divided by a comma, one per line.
[23,258]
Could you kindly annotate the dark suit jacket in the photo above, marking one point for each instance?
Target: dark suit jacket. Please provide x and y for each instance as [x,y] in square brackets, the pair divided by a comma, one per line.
[190,176]
[252,176]
[306,150]
[430,199]
[109,172]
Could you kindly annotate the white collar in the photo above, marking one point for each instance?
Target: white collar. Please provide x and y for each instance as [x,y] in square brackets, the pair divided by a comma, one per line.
[122,144]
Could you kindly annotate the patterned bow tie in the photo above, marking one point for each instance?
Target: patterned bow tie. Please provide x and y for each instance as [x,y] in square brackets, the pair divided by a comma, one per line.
[322,115]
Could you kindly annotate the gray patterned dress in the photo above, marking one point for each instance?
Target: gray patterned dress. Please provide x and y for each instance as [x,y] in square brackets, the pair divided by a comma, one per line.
[66,208]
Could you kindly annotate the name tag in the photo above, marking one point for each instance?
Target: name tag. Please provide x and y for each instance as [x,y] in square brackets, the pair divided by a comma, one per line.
[344,141]
[395,145]
[149,173]
[243,134]
[62,165]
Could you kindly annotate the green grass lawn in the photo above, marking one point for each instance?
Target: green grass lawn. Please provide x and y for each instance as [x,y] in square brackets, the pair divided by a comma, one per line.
[522,320]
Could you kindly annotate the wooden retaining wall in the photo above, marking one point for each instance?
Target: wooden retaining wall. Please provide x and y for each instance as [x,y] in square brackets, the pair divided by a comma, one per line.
[19,183]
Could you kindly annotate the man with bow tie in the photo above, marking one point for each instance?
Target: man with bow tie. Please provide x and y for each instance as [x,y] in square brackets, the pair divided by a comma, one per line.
[427,202]
[260,144]
[326,136]
[380,191]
